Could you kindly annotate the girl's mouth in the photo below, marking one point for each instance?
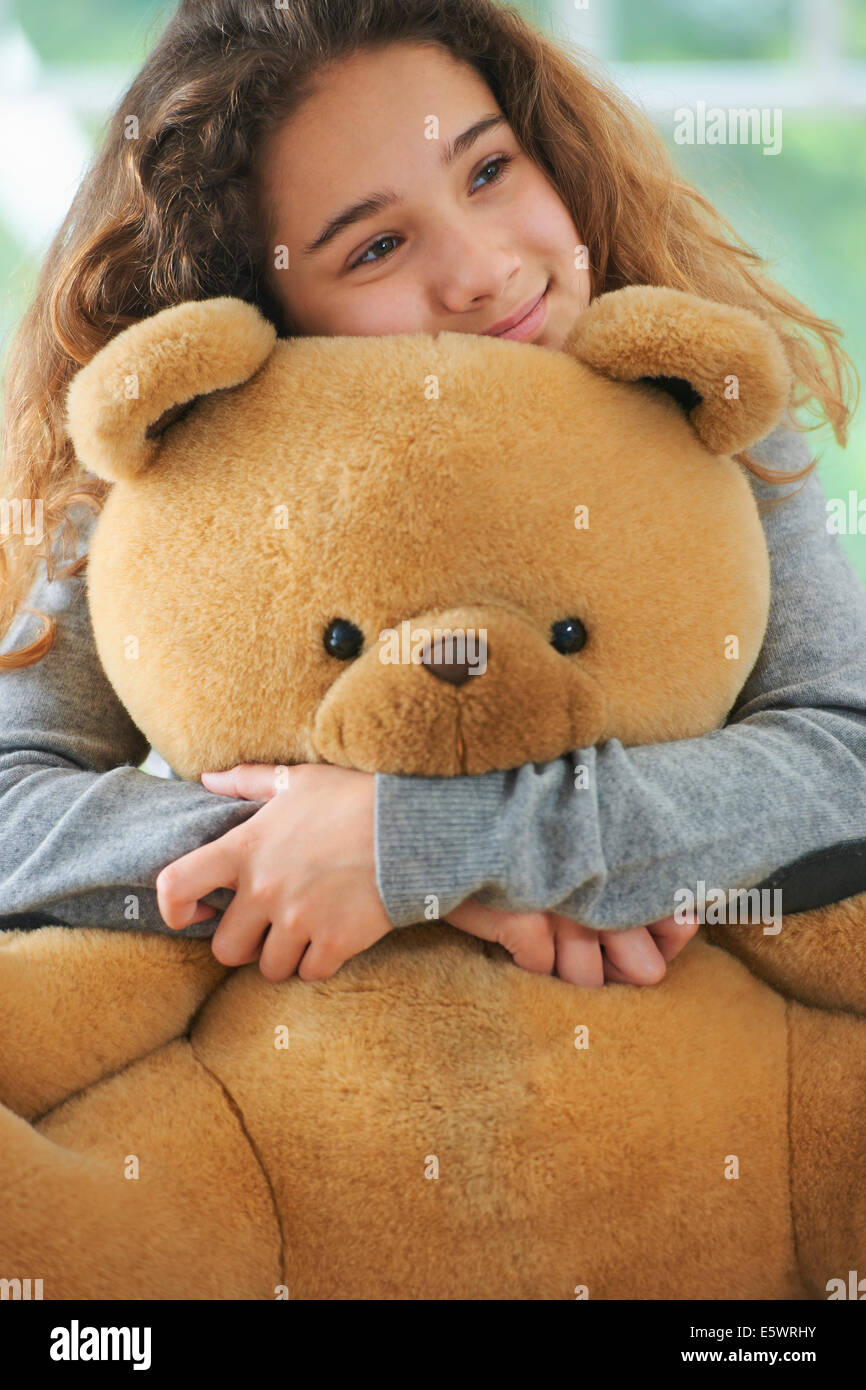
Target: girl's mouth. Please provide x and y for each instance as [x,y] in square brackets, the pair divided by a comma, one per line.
[531,322]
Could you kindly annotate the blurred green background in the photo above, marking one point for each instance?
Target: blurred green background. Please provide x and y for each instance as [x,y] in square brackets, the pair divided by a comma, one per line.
[64,62]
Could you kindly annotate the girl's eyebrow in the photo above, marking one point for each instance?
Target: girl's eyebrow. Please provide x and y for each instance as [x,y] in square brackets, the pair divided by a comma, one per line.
[377,202]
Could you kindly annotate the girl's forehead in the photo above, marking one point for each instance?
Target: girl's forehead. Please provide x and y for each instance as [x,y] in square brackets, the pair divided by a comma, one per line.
[375,113]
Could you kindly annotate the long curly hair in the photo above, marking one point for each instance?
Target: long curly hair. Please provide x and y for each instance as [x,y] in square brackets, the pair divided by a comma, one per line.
[171,215]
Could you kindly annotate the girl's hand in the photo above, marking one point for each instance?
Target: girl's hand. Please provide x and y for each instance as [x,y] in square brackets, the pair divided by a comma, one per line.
[550,944]
[302,869]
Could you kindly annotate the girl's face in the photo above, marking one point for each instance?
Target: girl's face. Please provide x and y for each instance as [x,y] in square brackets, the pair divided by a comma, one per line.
[391,231]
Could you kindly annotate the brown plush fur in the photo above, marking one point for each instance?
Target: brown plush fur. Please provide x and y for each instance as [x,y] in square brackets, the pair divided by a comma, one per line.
[433,1130]
[451,512]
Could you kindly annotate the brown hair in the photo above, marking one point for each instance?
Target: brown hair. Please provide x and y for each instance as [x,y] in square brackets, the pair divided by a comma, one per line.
[170,215]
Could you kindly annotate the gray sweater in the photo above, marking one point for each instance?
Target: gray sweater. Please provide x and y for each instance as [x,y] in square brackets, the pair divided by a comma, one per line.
[84,832]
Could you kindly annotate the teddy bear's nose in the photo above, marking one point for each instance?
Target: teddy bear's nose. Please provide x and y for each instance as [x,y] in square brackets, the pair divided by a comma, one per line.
[444,665]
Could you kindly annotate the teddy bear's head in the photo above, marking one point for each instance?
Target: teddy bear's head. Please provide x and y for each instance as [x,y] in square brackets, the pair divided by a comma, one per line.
[427,554]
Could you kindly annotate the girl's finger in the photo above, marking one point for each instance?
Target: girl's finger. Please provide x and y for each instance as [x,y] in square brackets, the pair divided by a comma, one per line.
[578,953]
[471,917]
[670,936]
[527,936]
[634,956]
[614,976]
[239,936]
[282,952]
[203,913]
[249,781]
[180,884]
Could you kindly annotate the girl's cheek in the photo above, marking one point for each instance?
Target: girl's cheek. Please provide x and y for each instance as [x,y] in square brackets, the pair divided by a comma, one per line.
[552,217]
[543,220]
[391,306]
[546,237]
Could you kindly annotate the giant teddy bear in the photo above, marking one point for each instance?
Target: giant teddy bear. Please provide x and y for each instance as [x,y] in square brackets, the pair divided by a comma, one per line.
[431,1122]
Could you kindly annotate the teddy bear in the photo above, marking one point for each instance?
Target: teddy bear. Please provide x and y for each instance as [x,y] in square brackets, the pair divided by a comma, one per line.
[431,1122]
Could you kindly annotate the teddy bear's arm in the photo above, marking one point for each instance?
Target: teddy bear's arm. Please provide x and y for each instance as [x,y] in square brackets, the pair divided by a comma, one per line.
[809,947]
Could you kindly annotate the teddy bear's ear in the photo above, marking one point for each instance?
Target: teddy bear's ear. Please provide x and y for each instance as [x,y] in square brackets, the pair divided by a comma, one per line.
[724,365]
[143,380]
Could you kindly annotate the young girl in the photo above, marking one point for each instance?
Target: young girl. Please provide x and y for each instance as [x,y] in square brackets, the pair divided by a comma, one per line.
[397,166]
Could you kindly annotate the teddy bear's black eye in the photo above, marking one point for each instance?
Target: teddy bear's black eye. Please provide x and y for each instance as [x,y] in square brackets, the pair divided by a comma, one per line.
[568,635]
[343,639]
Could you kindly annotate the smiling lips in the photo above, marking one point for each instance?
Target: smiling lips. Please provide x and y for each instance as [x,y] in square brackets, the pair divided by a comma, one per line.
[526,322]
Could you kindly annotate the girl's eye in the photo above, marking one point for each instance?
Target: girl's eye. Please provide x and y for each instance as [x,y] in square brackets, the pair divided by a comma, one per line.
[499,163]
[501,160]
[373,244]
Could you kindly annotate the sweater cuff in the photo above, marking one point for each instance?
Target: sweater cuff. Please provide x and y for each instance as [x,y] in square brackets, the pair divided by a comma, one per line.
[438,840]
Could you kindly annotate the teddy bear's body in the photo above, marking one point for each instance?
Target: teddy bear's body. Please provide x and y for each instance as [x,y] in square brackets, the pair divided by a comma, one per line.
[431,1122]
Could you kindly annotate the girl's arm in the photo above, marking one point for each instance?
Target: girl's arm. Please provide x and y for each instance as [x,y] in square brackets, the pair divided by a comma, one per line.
[83,832]
[785,776]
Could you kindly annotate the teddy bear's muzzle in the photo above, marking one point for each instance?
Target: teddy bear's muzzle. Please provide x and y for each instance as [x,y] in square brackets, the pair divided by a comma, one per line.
[467,691]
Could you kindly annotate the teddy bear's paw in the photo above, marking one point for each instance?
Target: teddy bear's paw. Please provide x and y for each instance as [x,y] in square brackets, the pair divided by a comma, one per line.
[78,1005]
[816,957]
